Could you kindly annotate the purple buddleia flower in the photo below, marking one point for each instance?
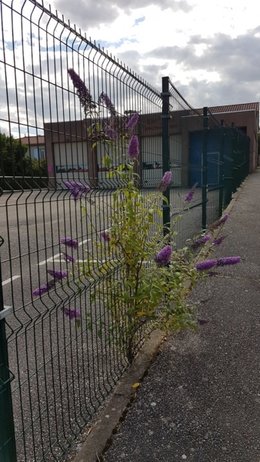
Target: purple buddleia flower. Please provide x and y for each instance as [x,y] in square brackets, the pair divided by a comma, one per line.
[72,313]
[219,240]
[82,91]
[58,275]
[105,236]
[132,122]
[206,264]
[190,194]
[44,288]
[76,188]
[68,258]
[133,147]
[220,222]
[104,98]
[202,240]
[110,132]
[70,242]
[165,181]
[228,261]
[164,256]
[223,219]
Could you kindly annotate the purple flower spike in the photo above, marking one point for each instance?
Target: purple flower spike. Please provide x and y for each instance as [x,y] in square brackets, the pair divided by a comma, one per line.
[133,147]
[202,240]
[82,91]
[72,313]
[220,222]
[219,240]
[110,132]
[131,123]
[223,219]
[206,264]
[44,288]
[228,261]
[58,275]
[104,98]
[105,236]
[165,181]
[164,256]
[68,258]
[70,242]
[190,194]
[76,188]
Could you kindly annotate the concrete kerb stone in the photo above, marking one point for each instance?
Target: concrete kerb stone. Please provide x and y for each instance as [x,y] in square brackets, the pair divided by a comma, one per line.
[108,419]
[105,424]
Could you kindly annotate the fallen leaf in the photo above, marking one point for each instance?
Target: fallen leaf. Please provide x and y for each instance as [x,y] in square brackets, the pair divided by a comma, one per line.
[136,385]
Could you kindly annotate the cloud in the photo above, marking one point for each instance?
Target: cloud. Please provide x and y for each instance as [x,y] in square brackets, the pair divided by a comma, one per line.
[91,13]
[204,93]
[214,69]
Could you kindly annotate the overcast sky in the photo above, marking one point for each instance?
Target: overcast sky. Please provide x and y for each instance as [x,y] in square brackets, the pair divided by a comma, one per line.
[210,49]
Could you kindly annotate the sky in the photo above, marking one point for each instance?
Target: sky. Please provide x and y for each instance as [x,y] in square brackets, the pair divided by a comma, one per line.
[209,49]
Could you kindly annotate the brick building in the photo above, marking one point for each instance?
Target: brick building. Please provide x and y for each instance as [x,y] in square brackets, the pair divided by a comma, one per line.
[70,153]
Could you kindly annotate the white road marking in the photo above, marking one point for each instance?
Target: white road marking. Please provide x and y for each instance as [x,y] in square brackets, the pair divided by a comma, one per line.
[83,242]
[49,259]
[7,281]
[56,258]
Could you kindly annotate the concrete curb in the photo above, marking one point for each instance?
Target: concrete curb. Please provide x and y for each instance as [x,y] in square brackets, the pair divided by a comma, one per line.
[108,419]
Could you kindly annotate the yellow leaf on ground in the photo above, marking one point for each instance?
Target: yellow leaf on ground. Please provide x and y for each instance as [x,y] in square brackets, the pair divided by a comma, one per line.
[136,385]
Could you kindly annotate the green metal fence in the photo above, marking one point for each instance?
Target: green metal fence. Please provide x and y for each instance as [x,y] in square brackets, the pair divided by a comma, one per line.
[53,377]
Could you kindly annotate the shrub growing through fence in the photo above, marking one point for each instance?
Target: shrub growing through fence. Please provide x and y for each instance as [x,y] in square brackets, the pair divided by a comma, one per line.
[156,277]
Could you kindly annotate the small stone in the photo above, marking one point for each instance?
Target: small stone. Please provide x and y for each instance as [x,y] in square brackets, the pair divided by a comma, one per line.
[153,404]
[184,457]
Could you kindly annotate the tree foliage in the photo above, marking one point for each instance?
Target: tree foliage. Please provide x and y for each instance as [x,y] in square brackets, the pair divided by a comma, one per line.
[15,162]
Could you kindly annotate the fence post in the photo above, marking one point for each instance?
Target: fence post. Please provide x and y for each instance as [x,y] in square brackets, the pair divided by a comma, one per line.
[205,167]
[7,436]
[166,150]
[221,172]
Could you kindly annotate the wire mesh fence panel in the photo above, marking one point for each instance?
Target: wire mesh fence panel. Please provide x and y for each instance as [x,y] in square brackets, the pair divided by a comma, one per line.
[71,116]
[68,113]
[186,166]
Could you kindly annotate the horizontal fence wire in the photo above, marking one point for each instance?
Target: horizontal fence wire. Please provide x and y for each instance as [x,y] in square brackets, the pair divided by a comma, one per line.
[67,115]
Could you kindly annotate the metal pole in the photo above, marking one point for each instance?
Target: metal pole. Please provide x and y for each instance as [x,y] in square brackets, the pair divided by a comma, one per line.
[221,172]
[7,435]
[166,150]
[205,167]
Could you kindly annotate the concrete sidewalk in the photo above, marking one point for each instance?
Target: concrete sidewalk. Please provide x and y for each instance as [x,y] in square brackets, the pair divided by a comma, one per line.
[200,400]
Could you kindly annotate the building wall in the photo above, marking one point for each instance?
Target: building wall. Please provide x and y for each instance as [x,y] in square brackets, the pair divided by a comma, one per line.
[67,143]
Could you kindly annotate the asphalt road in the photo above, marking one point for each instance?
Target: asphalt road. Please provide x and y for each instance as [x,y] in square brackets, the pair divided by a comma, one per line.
[62,374]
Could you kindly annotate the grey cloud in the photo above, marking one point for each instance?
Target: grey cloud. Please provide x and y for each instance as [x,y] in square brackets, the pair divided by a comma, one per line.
[231,58]
[234,59]
[152,72]
[90,13]
[204,93]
